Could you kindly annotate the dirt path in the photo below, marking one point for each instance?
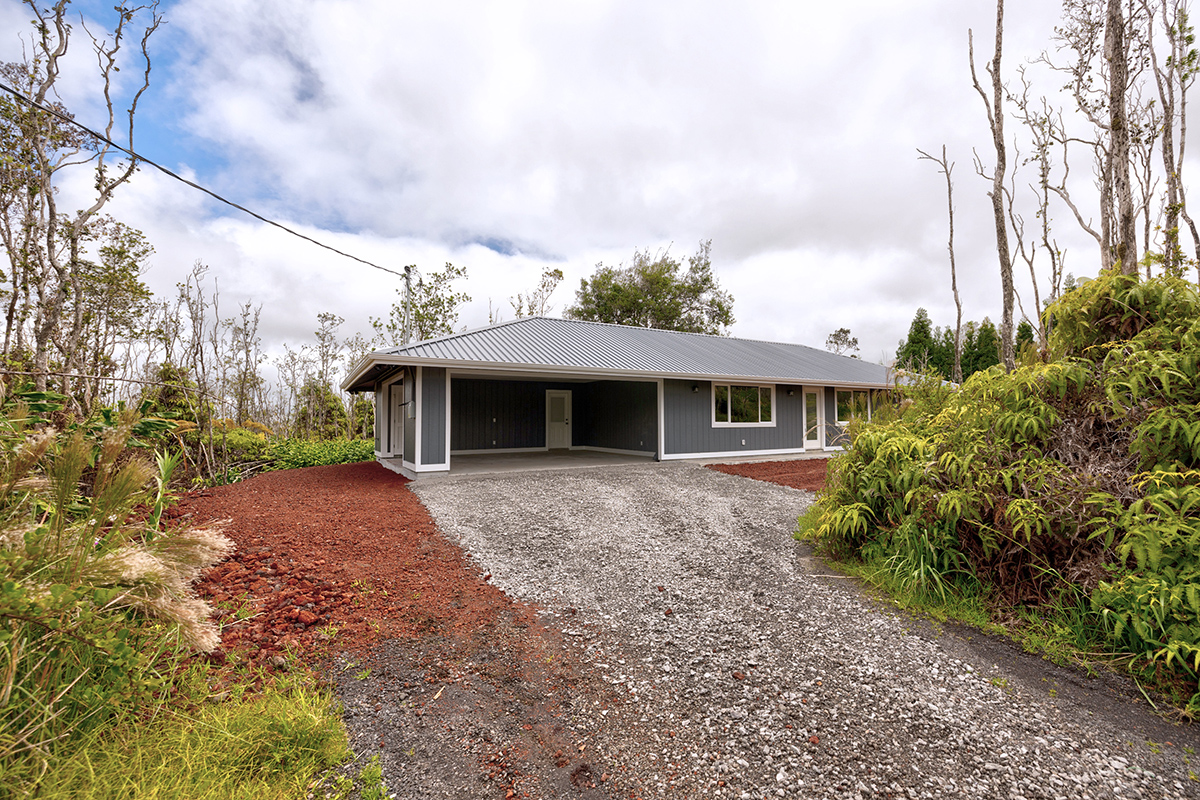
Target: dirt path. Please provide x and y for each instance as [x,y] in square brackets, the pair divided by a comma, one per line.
[466,693]
[342,567]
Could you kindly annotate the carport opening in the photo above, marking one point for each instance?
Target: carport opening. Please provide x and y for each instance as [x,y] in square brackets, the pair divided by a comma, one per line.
[511,416]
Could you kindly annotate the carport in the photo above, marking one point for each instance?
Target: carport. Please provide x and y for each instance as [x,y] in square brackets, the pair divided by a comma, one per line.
[544,386]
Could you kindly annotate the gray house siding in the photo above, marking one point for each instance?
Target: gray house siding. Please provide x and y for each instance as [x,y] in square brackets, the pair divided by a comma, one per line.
[616,415]
[511,414]
[433,416]
[505,415]
[688,425]
[410,422]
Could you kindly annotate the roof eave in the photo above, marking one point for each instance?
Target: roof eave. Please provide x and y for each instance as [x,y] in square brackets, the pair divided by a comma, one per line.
[373,359]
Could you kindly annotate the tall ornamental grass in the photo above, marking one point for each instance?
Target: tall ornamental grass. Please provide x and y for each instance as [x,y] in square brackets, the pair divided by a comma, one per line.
[96,601]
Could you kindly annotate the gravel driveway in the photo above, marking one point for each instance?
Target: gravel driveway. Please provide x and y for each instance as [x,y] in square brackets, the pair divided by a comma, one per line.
[747,671]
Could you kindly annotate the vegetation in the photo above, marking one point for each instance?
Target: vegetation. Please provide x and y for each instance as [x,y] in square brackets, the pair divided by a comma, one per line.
[654,291]
[98,619]
[931,350]
[1066,490]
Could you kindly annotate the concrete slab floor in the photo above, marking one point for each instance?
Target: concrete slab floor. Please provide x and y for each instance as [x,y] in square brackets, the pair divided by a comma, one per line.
[483,463]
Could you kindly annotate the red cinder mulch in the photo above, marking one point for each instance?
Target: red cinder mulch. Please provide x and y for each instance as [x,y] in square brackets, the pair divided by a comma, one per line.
[345,559]
[807,473]
[346,548]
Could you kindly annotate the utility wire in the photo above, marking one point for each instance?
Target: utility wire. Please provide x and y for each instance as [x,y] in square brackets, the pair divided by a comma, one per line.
[30,101]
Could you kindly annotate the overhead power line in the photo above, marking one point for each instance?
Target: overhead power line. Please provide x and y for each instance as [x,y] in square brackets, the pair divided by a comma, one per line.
[31,102]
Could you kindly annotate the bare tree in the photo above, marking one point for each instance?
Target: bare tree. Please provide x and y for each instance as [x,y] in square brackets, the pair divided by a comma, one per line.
[46,245]
[536,302]
[995,114]
[1173,77]
[946,169]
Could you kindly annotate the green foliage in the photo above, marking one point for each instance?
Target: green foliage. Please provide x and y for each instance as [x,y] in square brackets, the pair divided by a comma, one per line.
[654,291]
[319,413]
[433,307]
[268,747]
[1073,484]
[96,603]
[931,350]
[295,453]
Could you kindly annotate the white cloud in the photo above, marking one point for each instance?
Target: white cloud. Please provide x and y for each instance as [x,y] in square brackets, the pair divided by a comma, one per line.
[569,133]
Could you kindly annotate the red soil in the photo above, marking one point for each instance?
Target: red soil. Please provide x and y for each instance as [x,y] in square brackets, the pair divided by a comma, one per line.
[807,474]
[346,547]
[345,559]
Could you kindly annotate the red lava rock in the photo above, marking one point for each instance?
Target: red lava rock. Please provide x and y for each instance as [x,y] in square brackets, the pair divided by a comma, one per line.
[806,473]
[667,612]
[741,676]
[814,739]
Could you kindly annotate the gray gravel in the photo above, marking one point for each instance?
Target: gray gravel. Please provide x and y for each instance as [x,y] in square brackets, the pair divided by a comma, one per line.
[747,671]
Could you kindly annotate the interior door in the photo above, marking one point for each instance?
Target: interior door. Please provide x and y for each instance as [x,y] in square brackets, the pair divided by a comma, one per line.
[812,420]
[396,419]
[558,418]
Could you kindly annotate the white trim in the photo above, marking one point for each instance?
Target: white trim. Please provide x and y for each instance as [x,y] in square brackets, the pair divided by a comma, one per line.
[386,390]
[447,418]
[736,453]
[419,468]
[499,450]
[712,391]
[502,368]
[662,436]
[837,411]
[417,414]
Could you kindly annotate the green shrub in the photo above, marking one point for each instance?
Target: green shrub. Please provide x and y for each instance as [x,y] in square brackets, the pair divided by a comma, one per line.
[294,453]
[1076,478]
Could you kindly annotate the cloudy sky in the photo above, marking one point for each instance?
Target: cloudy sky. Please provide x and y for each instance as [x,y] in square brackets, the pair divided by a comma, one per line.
[515,137]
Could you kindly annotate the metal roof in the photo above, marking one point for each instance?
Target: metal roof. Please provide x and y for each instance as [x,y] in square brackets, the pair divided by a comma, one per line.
[549,345]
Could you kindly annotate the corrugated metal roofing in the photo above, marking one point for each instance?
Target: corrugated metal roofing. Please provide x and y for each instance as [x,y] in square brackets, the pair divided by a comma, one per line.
[562,344]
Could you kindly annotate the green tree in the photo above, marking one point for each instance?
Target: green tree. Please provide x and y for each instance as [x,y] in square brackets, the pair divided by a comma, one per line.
[984,351]
[433,308]
[45,244]
[916,351]
[1025,335]
[536,302]
[320,413]
[842,343]
[655,291]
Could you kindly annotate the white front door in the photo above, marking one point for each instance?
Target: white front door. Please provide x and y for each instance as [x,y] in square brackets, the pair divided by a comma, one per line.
[558,418]
[813,429]
[396,419]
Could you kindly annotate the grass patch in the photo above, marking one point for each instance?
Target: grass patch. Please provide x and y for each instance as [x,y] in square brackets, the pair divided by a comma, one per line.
[273,745]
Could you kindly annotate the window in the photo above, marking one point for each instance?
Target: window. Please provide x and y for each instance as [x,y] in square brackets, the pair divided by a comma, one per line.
[742,405]
[852,404]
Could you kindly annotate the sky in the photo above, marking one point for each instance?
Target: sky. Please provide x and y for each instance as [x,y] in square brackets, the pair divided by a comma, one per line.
[517,137]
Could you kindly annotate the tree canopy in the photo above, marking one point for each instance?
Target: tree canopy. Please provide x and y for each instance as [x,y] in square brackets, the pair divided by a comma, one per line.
[930,349]
[656,291]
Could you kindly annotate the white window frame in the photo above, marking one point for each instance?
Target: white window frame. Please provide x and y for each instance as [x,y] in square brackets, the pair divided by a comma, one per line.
[838,406]
[713,405]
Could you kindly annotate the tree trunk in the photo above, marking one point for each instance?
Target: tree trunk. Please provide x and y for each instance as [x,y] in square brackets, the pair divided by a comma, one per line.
[1115,52]
[995,112]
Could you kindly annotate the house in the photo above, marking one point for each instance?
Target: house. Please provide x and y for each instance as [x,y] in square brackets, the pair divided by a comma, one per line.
[538,383]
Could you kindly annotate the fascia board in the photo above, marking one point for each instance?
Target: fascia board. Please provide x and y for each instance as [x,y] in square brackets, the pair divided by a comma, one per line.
[595,372]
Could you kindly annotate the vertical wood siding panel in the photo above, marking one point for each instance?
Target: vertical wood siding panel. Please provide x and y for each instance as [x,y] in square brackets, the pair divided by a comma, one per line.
[433,415]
